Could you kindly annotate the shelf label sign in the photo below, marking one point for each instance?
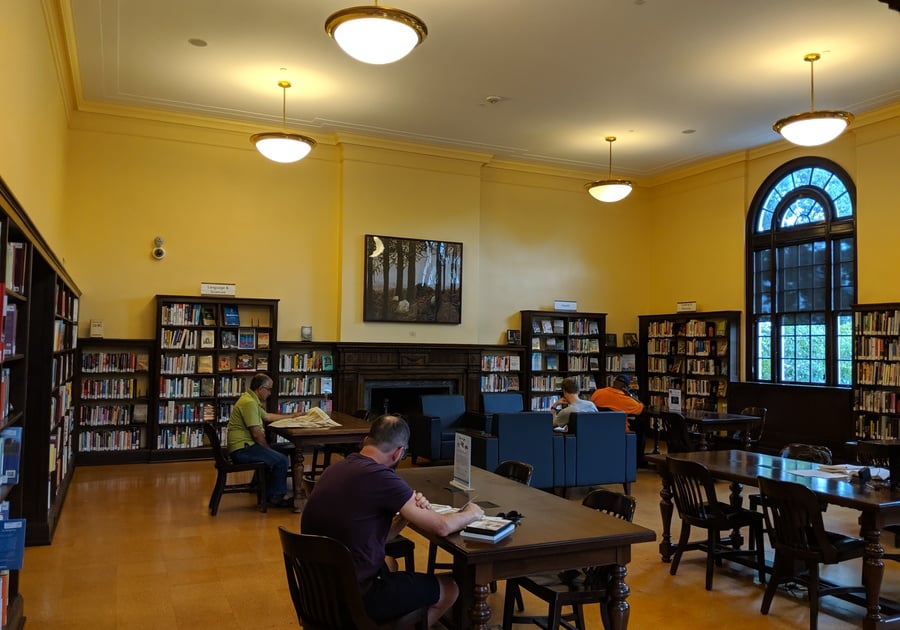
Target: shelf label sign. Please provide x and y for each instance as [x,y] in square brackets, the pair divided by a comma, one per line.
[217,288]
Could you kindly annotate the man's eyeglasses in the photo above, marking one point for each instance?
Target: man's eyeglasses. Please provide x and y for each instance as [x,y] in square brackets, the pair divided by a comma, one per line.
[513,516]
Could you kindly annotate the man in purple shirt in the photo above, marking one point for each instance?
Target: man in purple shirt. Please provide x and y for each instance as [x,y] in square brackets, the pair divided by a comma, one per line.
[362,502]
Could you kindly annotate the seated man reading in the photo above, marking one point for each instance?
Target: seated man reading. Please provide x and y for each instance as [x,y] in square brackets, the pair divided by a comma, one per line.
[363,502]
[619,397]
[569,403]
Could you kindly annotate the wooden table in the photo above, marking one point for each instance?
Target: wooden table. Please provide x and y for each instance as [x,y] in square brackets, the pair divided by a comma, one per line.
[878,508]
[352,429]
[706,422]
[554,534]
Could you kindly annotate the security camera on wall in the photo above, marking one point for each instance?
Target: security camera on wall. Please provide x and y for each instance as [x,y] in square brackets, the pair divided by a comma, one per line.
[158,252]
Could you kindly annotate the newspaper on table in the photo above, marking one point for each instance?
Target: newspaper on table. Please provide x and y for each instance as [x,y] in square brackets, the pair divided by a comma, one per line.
[315,418]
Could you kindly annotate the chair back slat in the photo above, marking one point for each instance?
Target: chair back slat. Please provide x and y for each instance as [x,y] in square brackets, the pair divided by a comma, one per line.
[794,520]
[756,433]
[515,470]
[678,440]
[219,454]
[613,503]
[694,491]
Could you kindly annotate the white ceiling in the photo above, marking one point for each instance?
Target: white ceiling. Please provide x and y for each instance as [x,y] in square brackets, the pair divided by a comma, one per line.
[568,72]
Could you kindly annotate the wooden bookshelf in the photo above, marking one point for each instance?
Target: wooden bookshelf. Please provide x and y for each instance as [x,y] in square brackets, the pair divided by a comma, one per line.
[697,353]
[207,349]
[876,370]
[501,369]
[306,376]
[560,345]
[622,360]
[112,401]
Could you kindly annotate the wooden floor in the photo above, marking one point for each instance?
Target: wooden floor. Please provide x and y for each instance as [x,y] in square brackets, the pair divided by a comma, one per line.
[136,548]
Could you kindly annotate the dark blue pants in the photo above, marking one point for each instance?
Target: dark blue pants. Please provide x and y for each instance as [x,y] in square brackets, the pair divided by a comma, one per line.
[276,467]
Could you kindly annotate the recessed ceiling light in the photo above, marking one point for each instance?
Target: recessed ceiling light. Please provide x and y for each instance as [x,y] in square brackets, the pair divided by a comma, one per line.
[688,131]
[196,41]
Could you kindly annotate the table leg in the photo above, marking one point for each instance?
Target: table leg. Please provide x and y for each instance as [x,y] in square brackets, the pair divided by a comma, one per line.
[704,442]
[618,608]
[873,571]
[297,474]
[735,500]
[480,612]
[655,435]
[666,548]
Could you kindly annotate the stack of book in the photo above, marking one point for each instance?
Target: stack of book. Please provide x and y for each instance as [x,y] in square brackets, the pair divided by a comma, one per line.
[489,529]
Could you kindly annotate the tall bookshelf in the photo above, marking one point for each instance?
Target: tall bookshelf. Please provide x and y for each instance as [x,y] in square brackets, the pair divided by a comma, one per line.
[697,353]
[501,369]
[112,401]
[207,349]
[876,370]
[305,376]
[559,345]
[622,360]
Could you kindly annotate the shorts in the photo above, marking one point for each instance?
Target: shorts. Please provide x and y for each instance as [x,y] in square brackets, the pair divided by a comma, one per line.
[394,594]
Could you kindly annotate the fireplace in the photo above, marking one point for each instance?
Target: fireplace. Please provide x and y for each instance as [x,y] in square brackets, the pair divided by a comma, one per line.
[371,373]
[401,396]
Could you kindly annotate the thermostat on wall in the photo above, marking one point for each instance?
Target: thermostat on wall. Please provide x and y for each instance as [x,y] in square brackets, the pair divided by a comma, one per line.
[563,305]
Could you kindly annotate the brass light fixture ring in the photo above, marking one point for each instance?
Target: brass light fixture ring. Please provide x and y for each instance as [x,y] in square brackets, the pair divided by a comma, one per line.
[388,13]
[812,115]
[266,135]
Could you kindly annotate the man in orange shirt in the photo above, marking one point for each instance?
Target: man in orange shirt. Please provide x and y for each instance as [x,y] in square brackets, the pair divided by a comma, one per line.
[618,397]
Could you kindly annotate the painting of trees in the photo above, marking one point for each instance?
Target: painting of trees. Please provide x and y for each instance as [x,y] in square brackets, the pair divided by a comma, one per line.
[412,280]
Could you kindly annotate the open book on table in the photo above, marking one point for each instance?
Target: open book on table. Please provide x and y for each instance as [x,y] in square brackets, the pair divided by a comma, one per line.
[315,418]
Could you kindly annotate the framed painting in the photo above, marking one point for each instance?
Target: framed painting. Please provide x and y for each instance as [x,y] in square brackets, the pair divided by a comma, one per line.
[412,280]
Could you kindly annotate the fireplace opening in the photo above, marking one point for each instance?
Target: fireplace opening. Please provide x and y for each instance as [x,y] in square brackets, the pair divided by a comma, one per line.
[402,396]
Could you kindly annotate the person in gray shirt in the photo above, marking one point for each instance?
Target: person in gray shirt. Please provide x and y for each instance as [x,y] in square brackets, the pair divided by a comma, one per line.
[569,403]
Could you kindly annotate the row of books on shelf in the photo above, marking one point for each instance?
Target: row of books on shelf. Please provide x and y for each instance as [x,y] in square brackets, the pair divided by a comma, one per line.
[588,345]
[186,387]
[102,362]
[309,385]
[205,363]
[621,362]
[882,374]
[104,388]
[709,367]
[131,439]
[313,361]
[180,314]
[10,455]
[65,335]
[549,344]
[584,327]
[877,322]
[4,395]
[870,427]
[62,368]
[304,404]
[583,363]
[543,383]
[877,401]
[876,348]
[9,328]
[690,328]
[548,326]
[16,257]
[112,415]
[500,363]
[175,412]
[66,303]
[499,383]
[179,437]
[704,387]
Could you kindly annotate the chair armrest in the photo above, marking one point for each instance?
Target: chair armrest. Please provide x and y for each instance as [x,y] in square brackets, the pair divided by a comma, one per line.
[424,435]
[477,421]
[485,451]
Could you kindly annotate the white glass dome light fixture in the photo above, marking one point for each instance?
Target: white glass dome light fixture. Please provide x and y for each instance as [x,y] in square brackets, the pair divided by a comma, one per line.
[609,190]
[376,35]
[813,128]
[283,146]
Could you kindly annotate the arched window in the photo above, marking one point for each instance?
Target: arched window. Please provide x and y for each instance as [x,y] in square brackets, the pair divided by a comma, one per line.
[801,275]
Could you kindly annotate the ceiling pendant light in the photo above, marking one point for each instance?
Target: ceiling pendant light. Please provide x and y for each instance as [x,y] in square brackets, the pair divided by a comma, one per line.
[813,128]
[283,146]
[376,35]
[609,190]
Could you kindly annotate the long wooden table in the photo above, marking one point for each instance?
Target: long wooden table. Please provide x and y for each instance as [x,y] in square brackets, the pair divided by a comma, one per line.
[554,534]
[878,508]
[352,429]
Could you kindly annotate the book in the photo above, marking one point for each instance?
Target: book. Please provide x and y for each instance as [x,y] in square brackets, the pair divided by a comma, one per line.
[327,363]
[262,340]
[142,362]
[262,364]
[225,363]
[488,529]
[243,362]
[208,316]
[246,339]
[10,452]
[205,364]
[230,315]
[536,327]
[546,326]
[12,543]
[229,339]
[207,338]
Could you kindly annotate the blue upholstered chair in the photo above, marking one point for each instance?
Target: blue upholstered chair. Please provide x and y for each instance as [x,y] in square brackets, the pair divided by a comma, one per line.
[599,451]
[500,402]
[432,434]
[525,436]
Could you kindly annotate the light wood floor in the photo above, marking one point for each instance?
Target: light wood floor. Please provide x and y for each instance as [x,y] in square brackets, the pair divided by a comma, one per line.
[136,548]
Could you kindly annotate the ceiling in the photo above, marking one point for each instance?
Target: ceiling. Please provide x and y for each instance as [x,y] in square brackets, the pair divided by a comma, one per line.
[678,81]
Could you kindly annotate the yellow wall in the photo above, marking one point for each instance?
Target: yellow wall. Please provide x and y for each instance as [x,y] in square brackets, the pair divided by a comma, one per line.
[101,186]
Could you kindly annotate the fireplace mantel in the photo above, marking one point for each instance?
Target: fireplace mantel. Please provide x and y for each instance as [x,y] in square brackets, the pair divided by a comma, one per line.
[358,363]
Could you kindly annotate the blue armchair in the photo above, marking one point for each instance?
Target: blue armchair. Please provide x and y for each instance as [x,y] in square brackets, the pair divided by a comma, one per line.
[527,437]
[432,434]
[599,450]
[494,403]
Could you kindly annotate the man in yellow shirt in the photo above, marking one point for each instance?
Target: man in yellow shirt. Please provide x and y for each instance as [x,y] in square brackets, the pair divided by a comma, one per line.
[619,397]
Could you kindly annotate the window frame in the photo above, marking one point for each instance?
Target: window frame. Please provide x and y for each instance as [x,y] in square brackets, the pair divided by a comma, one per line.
[831,230]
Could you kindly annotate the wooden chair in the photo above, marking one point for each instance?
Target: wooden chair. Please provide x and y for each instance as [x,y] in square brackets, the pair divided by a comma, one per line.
[808,453]
[324,588]
[694,494]
[736,440]
[678,439]
[570,588]
[225,466]
[798,536]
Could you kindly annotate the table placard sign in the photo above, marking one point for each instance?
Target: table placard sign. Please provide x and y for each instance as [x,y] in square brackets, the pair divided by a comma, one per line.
[674,403]
[462,462]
